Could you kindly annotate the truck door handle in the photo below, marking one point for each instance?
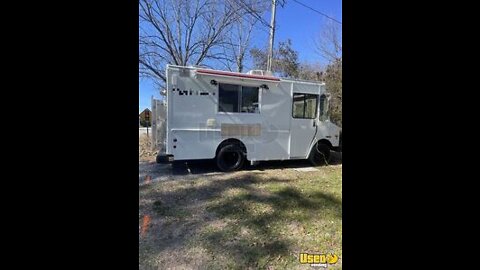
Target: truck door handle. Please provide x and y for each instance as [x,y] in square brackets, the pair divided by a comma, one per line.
[313,122]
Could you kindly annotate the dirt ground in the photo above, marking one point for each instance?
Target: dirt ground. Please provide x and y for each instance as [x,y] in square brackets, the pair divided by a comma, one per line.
[146,153]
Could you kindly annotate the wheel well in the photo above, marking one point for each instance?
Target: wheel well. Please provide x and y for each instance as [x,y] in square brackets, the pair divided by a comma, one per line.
[327,142]
[231,141]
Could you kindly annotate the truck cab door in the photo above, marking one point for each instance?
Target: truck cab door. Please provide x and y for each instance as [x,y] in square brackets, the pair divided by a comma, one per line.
[303,123]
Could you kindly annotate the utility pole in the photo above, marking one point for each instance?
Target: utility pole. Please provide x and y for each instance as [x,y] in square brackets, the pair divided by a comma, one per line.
[272,34]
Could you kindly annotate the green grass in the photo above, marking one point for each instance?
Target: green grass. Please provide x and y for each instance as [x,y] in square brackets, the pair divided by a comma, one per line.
[246,220]
[165,211]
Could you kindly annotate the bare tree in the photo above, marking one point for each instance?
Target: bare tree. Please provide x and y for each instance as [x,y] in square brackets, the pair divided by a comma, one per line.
[183,32]
[239,42]
[241,32]
[311,72]
[285,59]
[329,46]
[329,42]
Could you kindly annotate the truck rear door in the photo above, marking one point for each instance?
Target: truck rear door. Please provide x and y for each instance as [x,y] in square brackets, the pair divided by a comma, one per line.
[159,125]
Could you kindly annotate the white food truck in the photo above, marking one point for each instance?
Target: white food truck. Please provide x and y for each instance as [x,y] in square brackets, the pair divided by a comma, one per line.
[237,117]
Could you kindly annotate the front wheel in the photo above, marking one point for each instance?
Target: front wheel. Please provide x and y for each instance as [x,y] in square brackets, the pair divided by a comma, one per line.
[320,154]
[230,158]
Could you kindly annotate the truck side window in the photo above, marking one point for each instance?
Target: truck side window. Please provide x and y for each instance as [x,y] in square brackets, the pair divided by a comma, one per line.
[237,98]
[249,99]
[228,97]
[323,107]
[304,105]
[310,106]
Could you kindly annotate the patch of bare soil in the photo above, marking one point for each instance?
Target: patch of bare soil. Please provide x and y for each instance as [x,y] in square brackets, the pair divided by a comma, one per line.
[145,151]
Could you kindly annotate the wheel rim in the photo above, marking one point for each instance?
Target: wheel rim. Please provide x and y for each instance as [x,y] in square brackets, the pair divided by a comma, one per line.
[231,159]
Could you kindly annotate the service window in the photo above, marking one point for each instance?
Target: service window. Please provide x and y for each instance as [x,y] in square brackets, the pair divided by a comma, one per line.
[228,98]
[237,98]
[304,105]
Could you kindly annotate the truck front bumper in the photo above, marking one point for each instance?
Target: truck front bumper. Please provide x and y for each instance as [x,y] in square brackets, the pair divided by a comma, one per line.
[164,158]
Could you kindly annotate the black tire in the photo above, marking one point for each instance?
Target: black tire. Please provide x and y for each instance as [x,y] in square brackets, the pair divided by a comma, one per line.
[178,165]
[230,158]
[320,154]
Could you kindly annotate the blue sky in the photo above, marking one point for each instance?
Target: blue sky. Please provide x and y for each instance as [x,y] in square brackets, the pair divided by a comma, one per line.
[293,21]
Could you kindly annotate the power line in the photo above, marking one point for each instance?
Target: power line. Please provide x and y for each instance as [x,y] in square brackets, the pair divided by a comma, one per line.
[251,12]
[318,12]
[255,14]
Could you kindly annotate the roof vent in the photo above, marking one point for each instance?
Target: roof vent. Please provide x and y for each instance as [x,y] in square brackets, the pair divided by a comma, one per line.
[260,72]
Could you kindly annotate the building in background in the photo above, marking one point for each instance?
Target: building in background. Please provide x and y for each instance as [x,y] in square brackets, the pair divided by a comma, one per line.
[145,118]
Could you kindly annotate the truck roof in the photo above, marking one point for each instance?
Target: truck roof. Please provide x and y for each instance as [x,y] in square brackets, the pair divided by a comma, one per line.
[237,74]
[220,73]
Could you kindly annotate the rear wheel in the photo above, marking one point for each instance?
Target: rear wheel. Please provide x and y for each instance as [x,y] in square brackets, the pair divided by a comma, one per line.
[230,158]
[320,154]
